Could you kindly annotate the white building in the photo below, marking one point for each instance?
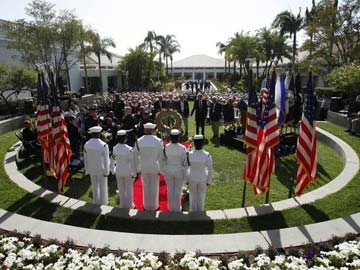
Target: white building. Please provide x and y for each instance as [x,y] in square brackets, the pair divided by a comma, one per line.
[111,78]
[199,67]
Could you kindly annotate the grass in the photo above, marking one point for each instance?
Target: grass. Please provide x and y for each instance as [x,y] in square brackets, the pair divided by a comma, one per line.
[342,203]
[226,191]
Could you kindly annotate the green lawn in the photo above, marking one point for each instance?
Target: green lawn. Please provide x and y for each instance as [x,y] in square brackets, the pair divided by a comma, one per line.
[339,204]
[226,191]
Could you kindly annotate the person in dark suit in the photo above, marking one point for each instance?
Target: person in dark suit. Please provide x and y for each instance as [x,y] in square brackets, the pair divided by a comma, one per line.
[215,116]
[128,124]
[74,135]
[91,120]
[183,109]
[171,103]
[159,104]
[228,111]
[200,109]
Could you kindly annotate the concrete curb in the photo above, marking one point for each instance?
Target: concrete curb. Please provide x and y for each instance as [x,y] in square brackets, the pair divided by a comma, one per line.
[207,244]
[346,153]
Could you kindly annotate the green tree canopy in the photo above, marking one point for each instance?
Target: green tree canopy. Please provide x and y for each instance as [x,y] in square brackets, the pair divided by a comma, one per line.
[14,79]
[136,63]
[346,78]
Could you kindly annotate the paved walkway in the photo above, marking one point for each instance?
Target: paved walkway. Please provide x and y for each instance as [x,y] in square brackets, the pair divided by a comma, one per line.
[346,153]
[214,243]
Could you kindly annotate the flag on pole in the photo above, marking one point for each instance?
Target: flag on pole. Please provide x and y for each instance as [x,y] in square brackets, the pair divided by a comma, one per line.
[61,148]
[306,144]
[43,119]
[280,99]
[268,136]
[250,139]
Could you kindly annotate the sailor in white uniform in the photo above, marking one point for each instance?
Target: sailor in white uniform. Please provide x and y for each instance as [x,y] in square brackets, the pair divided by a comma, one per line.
[148,149]
[175,166]
[96,163]
[123,165]
[199,174]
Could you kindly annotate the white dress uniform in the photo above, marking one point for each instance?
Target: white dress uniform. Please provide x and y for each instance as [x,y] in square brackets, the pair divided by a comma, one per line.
[199,175]
[149,151]
[96,163]
[175,165]
[123,165]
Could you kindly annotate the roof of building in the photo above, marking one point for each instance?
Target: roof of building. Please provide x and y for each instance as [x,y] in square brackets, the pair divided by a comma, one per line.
[199,60]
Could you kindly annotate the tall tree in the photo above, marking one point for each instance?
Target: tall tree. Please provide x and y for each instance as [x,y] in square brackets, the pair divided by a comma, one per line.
[135,64]
[150,44]
[290,24]
[221,50]
[100,47]
[174,47]
[69,37]
[165,43]
[150,41]
[86,38]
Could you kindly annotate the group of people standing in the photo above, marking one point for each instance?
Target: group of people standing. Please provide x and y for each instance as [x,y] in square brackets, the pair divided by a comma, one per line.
[150,157]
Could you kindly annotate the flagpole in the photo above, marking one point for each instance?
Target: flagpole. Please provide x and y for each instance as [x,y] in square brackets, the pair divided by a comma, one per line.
[244,195]
[250,88]
[40,100]
[267,195]
[292,180]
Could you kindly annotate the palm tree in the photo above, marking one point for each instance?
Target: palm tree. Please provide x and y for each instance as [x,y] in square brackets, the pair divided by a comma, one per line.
[150,41]
[165,43]
[289,24]
[222,50]
[86,38]
[160,42]
[174,48]
[100,47]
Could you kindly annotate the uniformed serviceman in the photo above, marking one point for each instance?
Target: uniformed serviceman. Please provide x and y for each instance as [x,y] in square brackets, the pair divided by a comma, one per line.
[175,165]
[199,174]
[96,163]
[148,149]
[123,165]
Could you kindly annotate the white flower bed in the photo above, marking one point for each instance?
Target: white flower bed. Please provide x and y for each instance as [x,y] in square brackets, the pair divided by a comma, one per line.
[22,254]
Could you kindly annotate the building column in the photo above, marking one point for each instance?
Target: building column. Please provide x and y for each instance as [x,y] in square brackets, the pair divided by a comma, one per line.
[193,76]
[204,76]
[215,75]
[104,82]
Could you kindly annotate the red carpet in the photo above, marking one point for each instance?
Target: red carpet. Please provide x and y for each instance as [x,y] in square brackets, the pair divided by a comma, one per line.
[138,196]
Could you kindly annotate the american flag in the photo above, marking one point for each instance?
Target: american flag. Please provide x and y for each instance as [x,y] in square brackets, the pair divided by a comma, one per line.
[250,140]
[61,148]
[306,144]
[43,119]
[268,137]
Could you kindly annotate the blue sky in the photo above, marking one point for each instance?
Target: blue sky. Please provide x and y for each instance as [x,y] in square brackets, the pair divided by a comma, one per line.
[197,24]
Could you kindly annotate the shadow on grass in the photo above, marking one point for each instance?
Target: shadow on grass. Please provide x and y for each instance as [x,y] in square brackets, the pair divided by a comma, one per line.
[32,206]
[316,214]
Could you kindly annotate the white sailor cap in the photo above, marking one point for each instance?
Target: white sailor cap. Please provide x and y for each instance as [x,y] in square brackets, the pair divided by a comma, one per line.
[96,129]
[174,132]
[198,137]
[149,126]
[121,132]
